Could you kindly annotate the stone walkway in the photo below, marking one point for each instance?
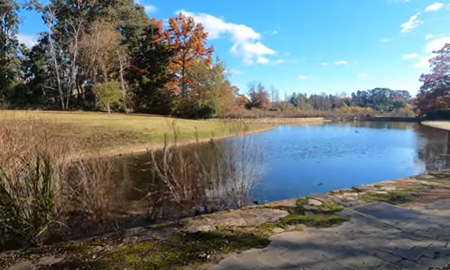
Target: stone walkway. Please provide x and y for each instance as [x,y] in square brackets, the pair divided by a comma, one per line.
[377,236]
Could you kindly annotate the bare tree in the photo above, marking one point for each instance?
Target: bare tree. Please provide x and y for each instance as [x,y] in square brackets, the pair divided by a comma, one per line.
[53,55]
[273,96]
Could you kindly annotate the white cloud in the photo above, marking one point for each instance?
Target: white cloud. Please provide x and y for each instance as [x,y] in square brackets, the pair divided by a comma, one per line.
[432,46]
[411,24]
[429,36]
[410,56]
[361,75]
[325,64]
[150,8]
[245,40]
[434,7]
[385,40]
[303,78]
[437,44]
[262,60]
[340,63]
[423,62]
[28,40]
[234,72]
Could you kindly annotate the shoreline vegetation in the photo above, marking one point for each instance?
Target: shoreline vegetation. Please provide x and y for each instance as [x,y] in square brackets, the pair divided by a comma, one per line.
[55,204]
[123,134]
[200,242]
[55,182]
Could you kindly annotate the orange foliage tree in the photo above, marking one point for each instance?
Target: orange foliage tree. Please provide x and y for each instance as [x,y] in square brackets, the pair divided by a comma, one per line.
[434,95]
[187,41]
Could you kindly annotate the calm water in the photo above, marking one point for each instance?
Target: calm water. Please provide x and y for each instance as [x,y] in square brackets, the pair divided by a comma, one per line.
[304,160]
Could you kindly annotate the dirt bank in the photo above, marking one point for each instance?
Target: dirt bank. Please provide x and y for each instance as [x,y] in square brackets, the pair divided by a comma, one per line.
[445,125]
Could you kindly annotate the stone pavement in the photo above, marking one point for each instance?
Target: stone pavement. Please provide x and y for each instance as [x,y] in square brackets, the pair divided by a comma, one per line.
[377,236]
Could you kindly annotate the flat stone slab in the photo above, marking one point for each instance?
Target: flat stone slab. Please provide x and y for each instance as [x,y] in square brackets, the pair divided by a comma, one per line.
[389,213]
[237,218]
[366,241]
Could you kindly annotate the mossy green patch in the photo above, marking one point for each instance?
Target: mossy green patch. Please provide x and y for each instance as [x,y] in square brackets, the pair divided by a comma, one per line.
[181,250]
[329,208]
[80,249]
[317,220]
[377,186]
[392,197]
[267,227]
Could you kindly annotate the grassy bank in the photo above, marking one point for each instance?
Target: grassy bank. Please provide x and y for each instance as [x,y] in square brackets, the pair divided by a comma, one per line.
[445,125]
[50,192]
[121,133]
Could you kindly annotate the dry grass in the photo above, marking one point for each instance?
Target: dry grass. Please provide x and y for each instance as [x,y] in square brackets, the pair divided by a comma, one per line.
[120,132]
[49,191]
[44,193]
[204,178]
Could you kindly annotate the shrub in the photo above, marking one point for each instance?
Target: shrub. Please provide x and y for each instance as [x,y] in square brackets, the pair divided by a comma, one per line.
[109,96]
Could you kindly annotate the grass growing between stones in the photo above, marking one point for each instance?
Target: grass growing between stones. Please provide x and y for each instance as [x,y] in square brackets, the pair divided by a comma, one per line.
[392,197]
[179,251]
[316,220]
[320,216]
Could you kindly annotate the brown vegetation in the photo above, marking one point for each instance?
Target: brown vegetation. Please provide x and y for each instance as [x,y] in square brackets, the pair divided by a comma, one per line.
[48,192]
[44,192]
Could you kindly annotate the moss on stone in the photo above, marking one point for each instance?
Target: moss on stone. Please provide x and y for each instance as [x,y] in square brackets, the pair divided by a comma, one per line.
[392,197]
[181,250]
[317,220]
[267,227]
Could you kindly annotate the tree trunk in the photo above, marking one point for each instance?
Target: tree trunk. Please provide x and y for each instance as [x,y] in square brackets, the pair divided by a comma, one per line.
[109,109]
[122,85]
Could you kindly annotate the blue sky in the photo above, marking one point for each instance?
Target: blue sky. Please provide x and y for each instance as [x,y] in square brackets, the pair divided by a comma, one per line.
[313,46]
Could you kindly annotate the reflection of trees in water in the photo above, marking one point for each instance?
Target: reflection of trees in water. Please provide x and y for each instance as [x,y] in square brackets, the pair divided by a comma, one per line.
[434,147]
[378,125]
[209,176]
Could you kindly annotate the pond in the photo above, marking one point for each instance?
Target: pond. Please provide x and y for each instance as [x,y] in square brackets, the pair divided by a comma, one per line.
[304,160]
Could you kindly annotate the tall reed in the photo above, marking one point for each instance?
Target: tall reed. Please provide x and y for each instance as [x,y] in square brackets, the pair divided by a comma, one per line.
[201,178]
[45,189]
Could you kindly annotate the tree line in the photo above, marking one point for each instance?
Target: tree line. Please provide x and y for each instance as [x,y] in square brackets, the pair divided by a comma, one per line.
[377,99]
[108,55]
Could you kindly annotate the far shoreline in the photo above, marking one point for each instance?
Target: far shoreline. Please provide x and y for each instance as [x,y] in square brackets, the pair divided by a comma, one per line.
[145,148]
[443,125]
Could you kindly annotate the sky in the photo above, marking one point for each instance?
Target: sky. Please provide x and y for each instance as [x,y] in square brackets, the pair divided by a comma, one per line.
[313,46]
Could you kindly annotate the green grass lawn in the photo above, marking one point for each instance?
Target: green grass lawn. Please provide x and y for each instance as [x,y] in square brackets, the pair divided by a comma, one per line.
[121,131]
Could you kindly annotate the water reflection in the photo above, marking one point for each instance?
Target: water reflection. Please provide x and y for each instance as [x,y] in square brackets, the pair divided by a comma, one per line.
[305,160]
[434,148]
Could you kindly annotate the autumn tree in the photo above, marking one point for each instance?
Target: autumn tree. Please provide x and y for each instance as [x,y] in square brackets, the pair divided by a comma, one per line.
[187,40]
[259,97]
[210,93]
[149,72]
[434,95]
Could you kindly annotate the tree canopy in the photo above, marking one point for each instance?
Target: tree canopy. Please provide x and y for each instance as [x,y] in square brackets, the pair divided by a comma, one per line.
[434,95]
